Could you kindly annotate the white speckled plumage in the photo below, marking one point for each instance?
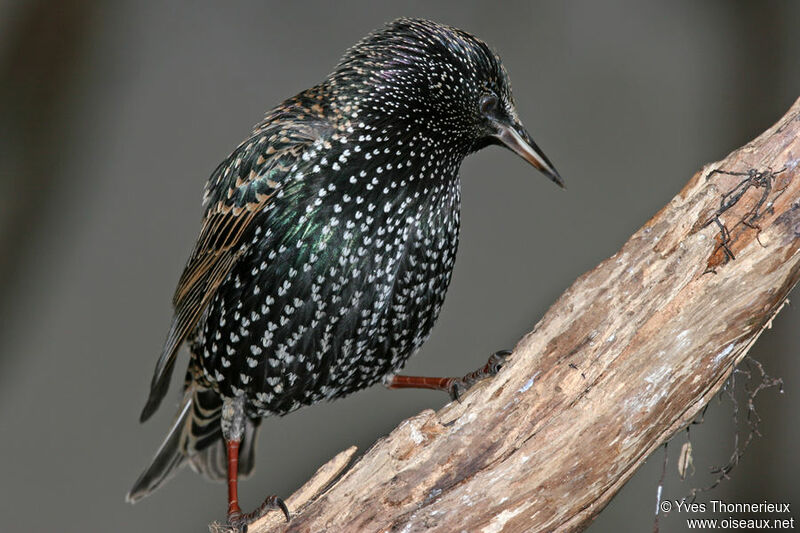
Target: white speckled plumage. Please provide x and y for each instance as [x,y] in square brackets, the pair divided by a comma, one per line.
[330,234]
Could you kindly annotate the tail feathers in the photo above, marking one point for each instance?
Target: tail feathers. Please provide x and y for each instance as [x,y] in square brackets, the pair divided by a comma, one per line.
[196,437]
[168,457]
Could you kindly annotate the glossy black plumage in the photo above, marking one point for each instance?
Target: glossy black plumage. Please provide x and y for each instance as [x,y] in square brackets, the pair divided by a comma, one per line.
[330,234]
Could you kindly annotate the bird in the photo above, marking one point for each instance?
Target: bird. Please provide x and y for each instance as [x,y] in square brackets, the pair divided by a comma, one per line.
[327,244]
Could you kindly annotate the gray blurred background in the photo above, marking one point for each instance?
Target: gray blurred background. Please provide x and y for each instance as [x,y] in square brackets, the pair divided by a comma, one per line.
[113,114]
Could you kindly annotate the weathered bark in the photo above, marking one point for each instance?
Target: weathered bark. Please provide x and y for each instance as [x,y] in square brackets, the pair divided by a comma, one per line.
[626,357]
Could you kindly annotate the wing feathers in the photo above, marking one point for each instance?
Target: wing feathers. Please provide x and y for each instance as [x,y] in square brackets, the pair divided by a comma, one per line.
[187,314]
[238,191]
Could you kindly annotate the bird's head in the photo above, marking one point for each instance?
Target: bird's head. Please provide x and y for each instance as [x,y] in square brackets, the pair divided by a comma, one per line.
[424,76]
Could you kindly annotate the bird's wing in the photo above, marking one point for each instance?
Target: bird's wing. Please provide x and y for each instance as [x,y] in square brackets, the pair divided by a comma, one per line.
[237,192]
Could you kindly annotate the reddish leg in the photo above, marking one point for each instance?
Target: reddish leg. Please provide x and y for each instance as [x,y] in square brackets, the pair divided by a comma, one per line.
[236,518]
[455,387]
[234,511]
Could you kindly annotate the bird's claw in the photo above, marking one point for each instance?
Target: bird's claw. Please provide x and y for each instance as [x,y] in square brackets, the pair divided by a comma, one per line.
[459,386]
[239,521]
[496,361]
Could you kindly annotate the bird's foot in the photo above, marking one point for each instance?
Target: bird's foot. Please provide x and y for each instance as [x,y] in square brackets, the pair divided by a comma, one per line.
[239,521]
[457,387]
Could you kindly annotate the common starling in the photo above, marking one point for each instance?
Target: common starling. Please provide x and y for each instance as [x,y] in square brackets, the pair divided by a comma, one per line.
[328,241]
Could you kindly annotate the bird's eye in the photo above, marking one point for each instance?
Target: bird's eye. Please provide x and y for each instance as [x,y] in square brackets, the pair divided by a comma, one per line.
[488,104]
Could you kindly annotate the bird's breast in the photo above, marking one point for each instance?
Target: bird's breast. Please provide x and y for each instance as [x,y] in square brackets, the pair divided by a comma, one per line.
[339,286]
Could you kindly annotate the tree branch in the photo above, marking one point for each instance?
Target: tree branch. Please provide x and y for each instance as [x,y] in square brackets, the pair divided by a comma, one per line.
[626,357]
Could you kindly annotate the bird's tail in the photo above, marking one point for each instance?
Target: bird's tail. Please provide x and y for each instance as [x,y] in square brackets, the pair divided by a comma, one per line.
[196,437]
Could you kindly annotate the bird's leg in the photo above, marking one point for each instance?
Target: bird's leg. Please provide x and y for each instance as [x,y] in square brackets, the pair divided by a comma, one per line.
[455,387]
[233,422]
[234,511]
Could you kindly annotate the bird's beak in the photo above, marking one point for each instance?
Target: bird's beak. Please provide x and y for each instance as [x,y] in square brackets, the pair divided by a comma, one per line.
[515,138]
